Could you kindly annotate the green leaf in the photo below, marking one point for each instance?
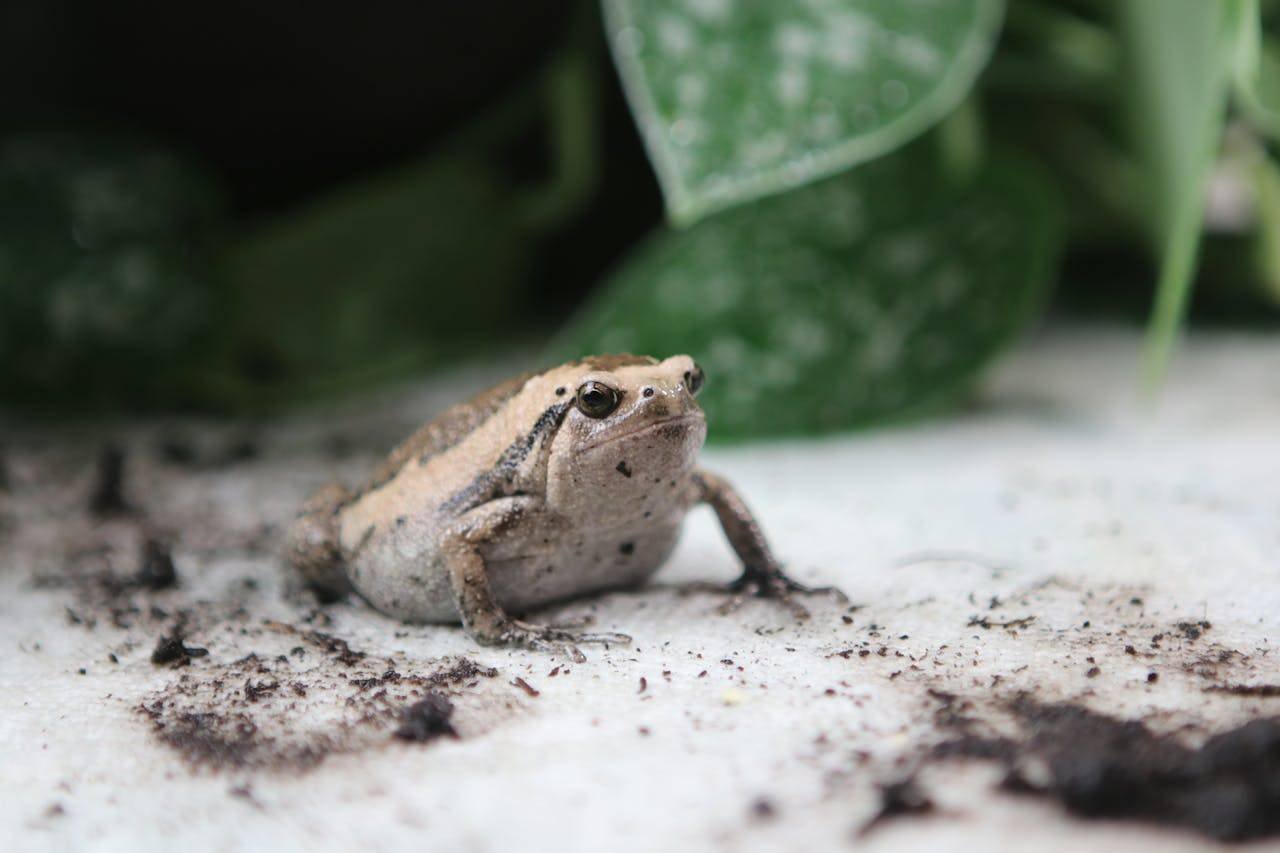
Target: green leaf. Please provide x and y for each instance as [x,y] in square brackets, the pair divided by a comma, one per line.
[1266,183]
[874,295]
[1180,55]
[1257,73]
[739,99]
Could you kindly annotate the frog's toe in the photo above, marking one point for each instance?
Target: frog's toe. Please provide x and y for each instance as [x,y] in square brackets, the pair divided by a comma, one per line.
[552,639]
[795,588]
[603,638]
[775,585]
[561,634]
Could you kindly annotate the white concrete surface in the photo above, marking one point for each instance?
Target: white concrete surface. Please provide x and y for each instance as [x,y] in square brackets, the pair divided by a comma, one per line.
[1061,494]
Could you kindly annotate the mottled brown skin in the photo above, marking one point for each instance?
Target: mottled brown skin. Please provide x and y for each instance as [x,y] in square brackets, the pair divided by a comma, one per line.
[548,486]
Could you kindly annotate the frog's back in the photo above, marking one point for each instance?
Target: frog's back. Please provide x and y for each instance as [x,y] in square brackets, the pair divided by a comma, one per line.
[447,429]
[315,546]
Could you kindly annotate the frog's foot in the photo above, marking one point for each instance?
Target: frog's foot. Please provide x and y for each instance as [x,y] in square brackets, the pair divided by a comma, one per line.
[773,584]
[548,638]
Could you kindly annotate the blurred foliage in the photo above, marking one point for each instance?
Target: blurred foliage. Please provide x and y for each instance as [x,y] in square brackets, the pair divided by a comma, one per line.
[1178,56]
[865,201]
[105,298]
[383,276]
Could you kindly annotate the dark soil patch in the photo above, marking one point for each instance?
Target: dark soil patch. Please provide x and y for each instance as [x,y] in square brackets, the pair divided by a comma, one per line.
[288,712]
[1101,767]
[218,740]
[464,671]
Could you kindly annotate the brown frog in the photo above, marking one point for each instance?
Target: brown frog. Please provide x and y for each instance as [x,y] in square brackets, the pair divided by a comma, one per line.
[548,486]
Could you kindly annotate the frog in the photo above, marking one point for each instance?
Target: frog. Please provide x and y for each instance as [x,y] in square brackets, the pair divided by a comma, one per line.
[552,485]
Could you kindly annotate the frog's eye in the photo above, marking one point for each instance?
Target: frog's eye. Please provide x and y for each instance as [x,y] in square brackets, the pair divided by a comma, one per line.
[693,379]
[597,400]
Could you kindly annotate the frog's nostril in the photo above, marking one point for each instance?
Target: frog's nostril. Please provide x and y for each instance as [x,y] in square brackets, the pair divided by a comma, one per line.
[648,392]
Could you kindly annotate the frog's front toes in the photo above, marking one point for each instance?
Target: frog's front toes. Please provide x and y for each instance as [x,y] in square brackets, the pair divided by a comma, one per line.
[774,584]
[548,638]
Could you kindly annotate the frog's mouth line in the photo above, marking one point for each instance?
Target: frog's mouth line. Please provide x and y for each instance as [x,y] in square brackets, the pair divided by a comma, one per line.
[674,419]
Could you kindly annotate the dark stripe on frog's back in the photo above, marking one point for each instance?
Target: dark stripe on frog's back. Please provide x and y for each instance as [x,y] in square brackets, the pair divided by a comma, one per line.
[497,481]
[447,429]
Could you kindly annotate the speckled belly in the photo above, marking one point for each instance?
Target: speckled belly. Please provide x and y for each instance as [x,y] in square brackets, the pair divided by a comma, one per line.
[580,564]
[535,562]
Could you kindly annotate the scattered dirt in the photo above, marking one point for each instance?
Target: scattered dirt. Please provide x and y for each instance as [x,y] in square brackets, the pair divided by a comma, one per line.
[123,582]
[1193,630]
[290,711]
[194,564]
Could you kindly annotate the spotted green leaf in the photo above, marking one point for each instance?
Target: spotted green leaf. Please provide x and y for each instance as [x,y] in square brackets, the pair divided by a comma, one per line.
[737,99]
[873,295]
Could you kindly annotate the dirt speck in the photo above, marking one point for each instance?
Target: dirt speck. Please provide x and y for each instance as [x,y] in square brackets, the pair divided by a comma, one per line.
[107,498]
[156,571]
[899,799]
[427,719]
[1193,630]
[171,651]
[763,808]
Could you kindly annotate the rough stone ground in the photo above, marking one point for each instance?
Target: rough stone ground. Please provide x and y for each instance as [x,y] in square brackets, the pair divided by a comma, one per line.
[1059,540]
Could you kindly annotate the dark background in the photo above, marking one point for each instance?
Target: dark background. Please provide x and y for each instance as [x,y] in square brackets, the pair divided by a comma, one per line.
[282,102]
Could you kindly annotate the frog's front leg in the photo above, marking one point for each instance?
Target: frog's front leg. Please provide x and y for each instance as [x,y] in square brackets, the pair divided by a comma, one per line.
[762,574]
[482,617]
